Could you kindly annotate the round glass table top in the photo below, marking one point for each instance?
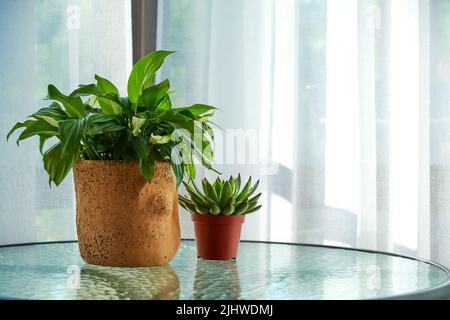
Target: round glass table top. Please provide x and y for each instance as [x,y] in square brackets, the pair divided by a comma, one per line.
[261,271]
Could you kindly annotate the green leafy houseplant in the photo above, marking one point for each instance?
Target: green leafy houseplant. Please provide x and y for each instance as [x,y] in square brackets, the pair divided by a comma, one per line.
[113,142]
[223,197]
[94,122]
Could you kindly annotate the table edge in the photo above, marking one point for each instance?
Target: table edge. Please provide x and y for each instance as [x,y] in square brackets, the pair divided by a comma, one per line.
[441,291]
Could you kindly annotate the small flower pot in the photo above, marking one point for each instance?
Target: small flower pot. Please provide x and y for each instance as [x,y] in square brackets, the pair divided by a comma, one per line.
[217,237]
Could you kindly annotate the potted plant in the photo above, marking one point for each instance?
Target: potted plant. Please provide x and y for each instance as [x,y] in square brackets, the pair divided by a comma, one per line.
[218,211]
[128,155]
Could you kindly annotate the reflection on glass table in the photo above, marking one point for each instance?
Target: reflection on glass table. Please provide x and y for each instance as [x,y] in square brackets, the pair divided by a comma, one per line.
[261,271]
[216,280]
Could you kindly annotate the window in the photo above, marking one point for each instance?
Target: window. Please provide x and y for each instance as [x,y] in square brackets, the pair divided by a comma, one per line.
[59,42]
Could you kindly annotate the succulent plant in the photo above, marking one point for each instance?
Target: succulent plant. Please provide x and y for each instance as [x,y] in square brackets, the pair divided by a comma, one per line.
[223,197]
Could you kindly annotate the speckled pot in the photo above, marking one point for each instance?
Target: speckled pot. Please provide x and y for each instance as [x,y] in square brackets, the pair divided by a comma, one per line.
[122,220]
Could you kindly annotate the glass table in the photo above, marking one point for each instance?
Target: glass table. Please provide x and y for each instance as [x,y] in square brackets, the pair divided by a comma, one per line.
[261,271]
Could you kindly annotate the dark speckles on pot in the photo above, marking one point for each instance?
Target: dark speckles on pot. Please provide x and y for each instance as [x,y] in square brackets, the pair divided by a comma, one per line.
[122,220]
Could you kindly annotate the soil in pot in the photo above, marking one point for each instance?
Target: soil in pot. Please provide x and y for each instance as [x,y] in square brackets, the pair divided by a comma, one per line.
[123,220]
[217,237]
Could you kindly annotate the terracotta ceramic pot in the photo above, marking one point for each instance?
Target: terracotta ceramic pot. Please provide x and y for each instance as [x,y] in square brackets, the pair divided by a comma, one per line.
[123,220]
[217,237]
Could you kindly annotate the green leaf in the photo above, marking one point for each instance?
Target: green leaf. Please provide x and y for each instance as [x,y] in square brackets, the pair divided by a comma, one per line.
[253,210]
[73,106]
[18,125]
[106,86]
[201,209]
[230,201]
[103,127]
[229,210]
[153,94]
[121,144]
[195,196]
[225,194]
[199,202]
[193,185]
[143,73]
[141,146]
[205,118]
[86,90]
[100,123]
[240,209]
[253,189]
[109,107]
[183,198]
[190,170]
[147,167]
[207,150]
[210,191]
[50,120]
[52,114]
[177,166]
[244,191]
[255,198]
[71,131]
[232,185]
[197,109]
[190,207]
[187,204]
[42,140]
[58,163]
[215,210]
[164,104]
[178,171]
[126,106]
[237,184]
[188,114]
[39,127]
[100,117]
[218,188]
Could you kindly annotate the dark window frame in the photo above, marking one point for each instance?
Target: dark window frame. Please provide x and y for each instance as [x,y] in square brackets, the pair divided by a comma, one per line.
[144,24]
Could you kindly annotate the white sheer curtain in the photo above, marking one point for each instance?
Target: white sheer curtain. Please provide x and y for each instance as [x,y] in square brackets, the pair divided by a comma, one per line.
[351,102]
[64,42]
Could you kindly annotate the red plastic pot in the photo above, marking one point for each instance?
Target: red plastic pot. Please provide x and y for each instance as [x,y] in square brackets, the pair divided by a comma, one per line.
[217,237]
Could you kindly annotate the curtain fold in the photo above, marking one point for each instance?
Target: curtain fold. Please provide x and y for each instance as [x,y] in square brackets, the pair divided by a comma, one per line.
[349,100]
[64,43]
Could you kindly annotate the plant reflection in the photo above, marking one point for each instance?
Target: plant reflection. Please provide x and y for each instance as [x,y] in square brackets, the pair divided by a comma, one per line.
[216,279]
